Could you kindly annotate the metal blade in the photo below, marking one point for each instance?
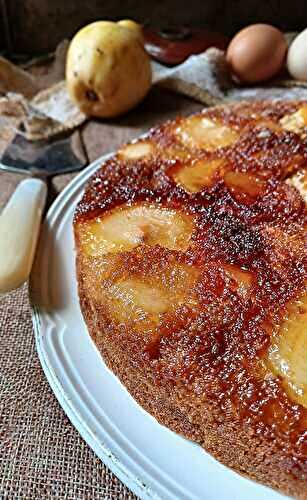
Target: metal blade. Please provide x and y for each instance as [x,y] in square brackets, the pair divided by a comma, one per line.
[44,158]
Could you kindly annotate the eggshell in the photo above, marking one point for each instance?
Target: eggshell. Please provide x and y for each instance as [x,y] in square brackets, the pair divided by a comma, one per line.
[297,57]
[257,53]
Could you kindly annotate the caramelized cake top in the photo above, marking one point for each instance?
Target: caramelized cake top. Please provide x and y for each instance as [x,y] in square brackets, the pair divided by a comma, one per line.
[192,245]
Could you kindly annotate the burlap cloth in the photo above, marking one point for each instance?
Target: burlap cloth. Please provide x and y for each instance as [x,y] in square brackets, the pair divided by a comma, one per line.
[42,456]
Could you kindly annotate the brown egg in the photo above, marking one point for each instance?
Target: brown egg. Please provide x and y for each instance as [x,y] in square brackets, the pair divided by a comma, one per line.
[256,53]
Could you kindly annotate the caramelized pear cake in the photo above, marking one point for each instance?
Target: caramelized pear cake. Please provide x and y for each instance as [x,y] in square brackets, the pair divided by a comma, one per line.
[191,265]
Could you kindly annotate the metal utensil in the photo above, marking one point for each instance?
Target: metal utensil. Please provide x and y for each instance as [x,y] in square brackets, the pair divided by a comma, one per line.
[20,219]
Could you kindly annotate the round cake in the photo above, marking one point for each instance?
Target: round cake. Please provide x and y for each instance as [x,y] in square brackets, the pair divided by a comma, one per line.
[191,266]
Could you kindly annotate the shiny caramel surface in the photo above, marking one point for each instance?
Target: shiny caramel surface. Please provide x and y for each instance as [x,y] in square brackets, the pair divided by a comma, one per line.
[205,313]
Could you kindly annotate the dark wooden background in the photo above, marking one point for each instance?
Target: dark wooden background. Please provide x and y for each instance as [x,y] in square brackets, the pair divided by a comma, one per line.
[38,25]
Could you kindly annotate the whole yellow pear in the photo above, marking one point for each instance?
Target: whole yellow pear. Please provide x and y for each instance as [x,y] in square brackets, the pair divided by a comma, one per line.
[108,71]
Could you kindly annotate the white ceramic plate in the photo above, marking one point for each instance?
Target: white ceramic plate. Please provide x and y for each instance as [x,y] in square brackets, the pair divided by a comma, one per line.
[150,459]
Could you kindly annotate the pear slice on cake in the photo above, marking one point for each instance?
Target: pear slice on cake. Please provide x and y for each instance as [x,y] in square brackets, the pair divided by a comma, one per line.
[127,227]
[288,351]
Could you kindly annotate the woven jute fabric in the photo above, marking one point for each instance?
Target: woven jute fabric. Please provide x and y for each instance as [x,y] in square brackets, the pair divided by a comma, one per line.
[42,456]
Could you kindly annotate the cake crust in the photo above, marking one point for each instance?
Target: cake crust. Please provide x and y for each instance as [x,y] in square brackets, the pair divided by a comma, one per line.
[187,324]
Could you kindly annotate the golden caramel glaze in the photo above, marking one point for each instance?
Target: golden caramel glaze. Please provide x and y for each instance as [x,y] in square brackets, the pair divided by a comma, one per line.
[200,317]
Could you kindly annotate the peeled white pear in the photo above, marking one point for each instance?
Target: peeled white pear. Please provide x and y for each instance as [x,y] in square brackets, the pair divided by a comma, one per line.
[19,230]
